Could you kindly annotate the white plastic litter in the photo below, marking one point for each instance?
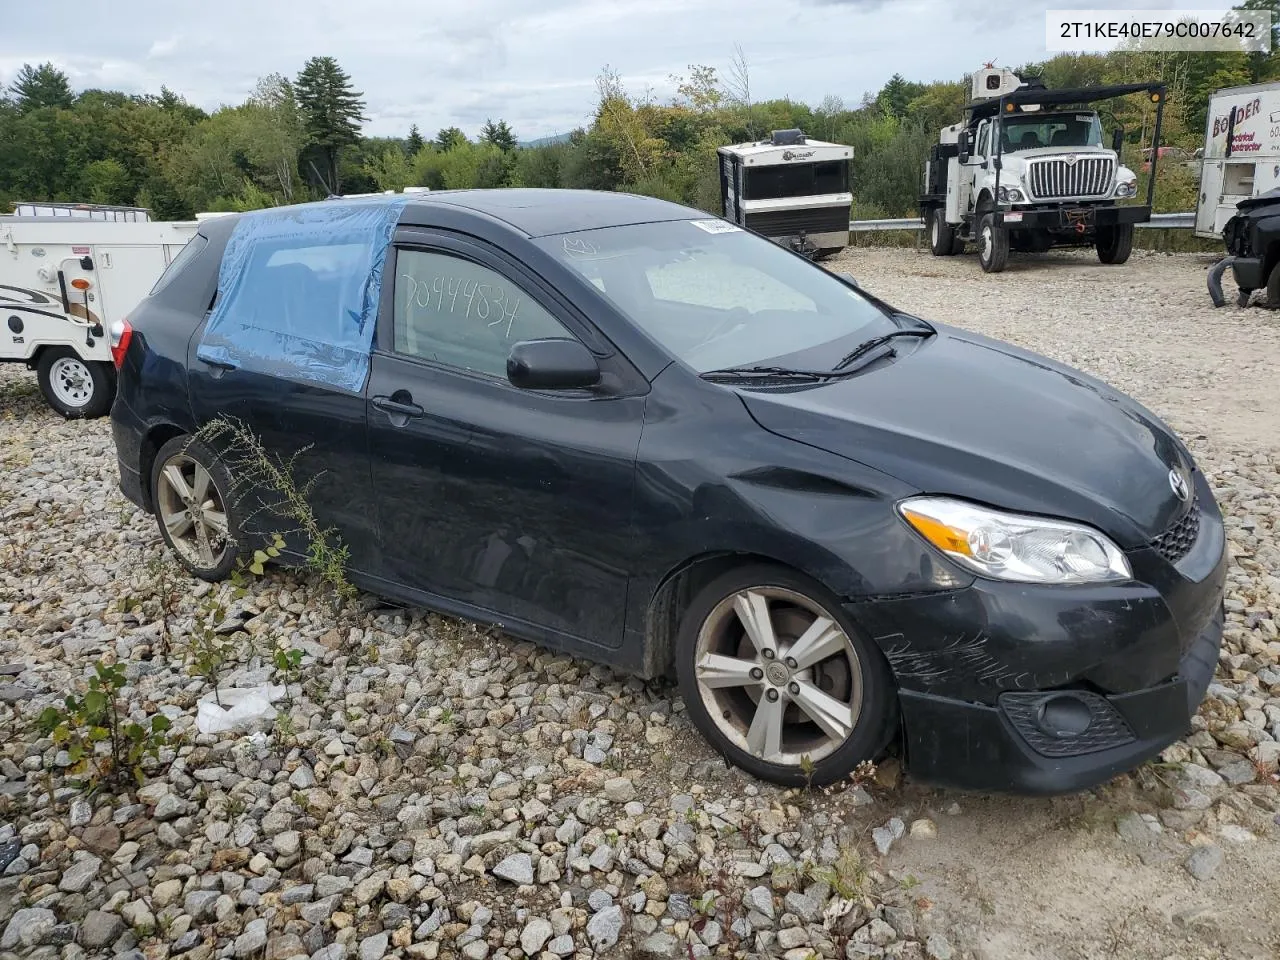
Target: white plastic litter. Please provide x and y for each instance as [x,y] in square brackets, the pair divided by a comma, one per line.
[241,708]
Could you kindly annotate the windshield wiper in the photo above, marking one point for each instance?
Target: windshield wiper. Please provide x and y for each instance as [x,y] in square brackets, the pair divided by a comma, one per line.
[862,349]
[764,373]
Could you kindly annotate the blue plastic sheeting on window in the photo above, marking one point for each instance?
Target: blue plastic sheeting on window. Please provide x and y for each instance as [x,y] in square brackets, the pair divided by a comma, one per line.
[298,291]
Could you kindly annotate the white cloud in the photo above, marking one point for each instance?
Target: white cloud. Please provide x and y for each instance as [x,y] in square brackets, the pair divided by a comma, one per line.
[443,64]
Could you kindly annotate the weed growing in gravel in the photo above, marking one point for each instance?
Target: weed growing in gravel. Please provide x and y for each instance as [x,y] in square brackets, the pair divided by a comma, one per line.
[166,596]
[210,649]
[95,731]
[255,470]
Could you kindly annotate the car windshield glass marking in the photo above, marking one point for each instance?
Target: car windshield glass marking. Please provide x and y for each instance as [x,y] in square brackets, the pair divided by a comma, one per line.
[456,312]
[719,300]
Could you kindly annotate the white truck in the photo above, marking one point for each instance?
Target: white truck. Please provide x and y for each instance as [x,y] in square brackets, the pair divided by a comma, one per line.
[791,189]
[1026,169]
[67,272]
[1241,153]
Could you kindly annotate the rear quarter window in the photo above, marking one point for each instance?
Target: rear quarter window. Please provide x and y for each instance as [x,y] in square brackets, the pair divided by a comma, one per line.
[186,256]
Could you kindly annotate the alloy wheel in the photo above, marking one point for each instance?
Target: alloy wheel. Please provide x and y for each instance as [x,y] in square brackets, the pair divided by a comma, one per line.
[192,511]
[987,242]
[71,382]
[778,675]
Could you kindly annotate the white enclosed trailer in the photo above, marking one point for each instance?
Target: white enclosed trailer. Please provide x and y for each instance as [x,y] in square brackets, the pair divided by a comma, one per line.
[792,189]
[1241,153]
[65,278]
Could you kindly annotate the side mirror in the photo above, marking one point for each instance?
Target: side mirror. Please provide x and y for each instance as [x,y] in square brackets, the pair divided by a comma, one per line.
[1117,139]
[552,364]
[849,278]
[962,145]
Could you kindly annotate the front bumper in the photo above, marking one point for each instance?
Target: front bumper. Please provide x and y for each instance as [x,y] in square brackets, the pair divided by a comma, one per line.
[1042,690]
[1072,217]
[1249,273]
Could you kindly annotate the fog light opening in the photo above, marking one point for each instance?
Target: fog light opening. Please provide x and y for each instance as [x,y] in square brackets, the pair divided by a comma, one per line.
[1063,716]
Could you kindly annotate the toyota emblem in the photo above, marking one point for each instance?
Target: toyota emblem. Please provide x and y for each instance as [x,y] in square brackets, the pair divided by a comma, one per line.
[1178,483]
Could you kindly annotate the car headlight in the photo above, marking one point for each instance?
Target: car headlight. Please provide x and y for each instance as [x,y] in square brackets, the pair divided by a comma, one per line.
[1010,194]
[1008,546]
[1126,188]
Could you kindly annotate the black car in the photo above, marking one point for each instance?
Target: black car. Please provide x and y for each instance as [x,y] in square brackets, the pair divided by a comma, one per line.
[621,428]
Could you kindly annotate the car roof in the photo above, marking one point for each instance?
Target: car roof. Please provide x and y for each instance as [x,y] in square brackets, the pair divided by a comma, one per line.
[540,213]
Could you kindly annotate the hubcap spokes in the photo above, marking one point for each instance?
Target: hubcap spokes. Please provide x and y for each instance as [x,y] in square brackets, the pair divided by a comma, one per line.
[778,675]
[192,511]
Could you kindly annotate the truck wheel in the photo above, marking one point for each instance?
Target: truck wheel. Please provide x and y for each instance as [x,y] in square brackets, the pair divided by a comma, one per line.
[74,387]
[993,244]
[1273,289]
[1115,243]
[941,234]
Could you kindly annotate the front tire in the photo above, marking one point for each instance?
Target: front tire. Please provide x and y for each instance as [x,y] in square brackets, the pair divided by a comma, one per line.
[192,492]
[777,679]
[76,388]
[942,238]
[993,244]
[1114,244]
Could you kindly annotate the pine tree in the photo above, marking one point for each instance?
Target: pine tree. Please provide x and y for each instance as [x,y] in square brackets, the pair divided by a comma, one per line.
[499,134]
[450,137]
[415,141]
[42,86]
[331,112]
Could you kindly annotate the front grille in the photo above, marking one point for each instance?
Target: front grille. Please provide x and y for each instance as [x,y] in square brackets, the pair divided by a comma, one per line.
[789,223]
[1180,536]
[1053,179]
[1106,728]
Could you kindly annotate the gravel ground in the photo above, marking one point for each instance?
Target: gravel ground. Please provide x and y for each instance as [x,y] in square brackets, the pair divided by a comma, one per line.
[434,789]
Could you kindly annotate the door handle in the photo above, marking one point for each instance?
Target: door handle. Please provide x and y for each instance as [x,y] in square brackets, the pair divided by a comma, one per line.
[217,364]
[397,408]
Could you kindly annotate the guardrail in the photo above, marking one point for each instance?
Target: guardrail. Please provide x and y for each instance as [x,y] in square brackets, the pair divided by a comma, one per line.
[1159,221]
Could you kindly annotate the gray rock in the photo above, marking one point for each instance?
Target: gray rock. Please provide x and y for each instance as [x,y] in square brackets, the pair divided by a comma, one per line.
[334,951]
[77,877]
[169,807]
[200,903]
[1133,828]
[320,911]
[759,899]
[374,947]
[99,929]
[619,790]
[518,868]
[679,906]
[598,900]
[1205,861]
[659,945]
[938,947]
[561,946]
[806,908]
[604,928]
[30,927]
[299,893]
[253,939]
[81,813]
[884,837]
[536,933]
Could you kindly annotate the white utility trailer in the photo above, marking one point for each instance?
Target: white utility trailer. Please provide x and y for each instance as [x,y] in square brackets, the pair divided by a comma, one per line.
[1241,153]
[67,272]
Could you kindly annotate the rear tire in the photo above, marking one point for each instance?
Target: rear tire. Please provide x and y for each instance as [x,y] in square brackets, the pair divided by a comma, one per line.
[1273,288]
[1114,244]
[993,244]
[942,235]
[760,710]
[76,388]
[192,492]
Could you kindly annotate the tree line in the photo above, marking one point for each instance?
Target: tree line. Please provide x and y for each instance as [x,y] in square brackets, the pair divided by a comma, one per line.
[300,138]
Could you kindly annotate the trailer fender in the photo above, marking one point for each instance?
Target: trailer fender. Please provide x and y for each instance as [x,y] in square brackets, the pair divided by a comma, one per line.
[1215,281]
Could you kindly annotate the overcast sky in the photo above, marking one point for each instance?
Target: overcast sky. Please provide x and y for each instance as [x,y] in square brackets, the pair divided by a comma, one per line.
[440,64]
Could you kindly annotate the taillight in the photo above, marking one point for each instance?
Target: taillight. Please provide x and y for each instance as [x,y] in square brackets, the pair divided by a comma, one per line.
[121,334]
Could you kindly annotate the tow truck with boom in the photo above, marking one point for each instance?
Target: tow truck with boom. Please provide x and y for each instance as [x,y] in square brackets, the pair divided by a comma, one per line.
[1026,170]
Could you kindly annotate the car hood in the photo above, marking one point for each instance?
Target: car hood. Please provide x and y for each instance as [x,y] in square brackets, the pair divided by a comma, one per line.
[963,415]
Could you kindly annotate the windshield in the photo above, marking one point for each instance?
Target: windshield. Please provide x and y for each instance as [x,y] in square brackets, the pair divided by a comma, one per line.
[717,296]
[1029,131]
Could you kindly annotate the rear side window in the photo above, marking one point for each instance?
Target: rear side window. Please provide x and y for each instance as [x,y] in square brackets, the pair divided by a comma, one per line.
[179,263]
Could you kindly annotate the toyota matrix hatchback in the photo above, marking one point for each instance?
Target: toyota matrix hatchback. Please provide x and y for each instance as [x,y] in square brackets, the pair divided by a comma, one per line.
[624,429]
